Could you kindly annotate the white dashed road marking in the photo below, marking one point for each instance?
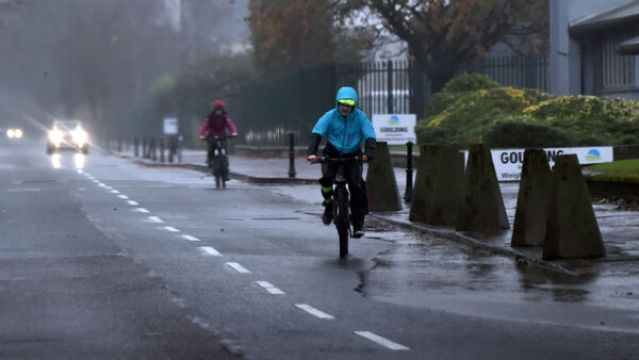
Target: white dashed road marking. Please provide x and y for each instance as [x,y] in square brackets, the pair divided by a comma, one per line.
[270,288]
[207,250]
[155,219]
[123,197]
[114,192]
[190,238]
[171,229]
[237,267]
[133,203]
[141,210]
[315,312]
[381,341]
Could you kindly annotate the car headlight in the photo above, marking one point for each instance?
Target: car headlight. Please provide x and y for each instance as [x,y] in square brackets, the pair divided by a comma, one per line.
[10,133]
[17,133]
[56,136]
[80,136]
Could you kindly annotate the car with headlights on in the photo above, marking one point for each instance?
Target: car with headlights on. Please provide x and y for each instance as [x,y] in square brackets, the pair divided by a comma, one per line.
[15,133]
[67,134]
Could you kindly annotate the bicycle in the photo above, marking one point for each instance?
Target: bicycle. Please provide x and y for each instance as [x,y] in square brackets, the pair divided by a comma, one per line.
[341,202]
[218,161]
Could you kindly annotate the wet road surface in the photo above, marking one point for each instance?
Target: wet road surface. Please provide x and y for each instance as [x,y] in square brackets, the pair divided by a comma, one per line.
[155,263]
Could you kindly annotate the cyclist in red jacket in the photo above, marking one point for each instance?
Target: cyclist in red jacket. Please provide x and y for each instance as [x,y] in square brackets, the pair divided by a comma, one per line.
[216,124]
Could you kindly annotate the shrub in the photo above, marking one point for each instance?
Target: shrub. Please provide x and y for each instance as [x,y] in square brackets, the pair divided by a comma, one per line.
[491,114]
[470,82]
[520,134]
[466,117]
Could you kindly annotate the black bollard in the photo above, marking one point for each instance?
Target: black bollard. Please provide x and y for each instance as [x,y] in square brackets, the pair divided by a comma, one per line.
[161,150]
[145,148]
[409,172]
[136,143]
[171,148]
[154,150]
[291,156]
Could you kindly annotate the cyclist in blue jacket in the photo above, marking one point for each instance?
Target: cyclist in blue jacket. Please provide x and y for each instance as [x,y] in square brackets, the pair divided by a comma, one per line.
[345,128]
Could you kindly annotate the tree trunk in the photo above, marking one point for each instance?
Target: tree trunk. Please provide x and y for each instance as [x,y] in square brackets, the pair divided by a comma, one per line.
[440,75]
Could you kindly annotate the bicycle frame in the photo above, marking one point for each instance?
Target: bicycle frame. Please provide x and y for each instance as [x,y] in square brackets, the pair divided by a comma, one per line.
[341,203]
[219,161]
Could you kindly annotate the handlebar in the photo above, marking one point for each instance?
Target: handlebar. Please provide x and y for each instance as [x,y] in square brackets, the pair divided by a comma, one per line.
[325,159]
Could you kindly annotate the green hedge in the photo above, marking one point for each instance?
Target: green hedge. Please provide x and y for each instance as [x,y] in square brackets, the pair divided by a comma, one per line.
[514,117]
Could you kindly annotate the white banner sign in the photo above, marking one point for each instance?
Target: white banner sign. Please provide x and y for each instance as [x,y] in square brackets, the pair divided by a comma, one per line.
[508,162]
[395,129]
[170,126]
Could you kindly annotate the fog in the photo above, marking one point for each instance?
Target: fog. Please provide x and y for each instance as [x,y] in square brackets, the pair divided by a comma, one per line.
[96,60]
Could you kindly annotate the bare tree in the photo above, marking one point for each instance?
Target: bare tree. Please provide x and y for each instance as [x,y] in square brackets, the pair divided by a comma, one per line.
[443,34]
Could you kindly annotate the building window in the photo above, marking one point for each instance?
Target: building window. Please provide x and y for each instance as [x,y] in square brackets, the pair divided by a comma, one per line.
[618,70]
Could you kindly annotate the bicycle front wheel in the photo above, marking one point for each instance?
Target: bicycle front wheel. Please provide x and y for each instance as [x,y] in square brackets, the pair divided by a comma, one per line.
[341,220]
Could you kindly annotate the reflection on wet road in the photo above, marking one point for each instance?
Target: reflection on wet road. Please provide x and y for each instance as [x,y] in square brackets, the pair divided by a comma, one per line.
[426,272]
[75,161]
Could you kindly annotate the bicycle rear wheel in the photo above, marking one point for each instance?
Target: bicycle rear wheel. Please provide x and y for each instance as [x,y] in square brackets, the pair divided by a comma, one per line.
[341,220]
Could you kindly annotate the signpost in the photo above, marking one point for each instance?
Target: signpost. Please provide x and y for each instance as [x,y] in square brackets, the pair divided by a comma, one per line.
[170,126]
[399,129]
[171,129]
[509,162]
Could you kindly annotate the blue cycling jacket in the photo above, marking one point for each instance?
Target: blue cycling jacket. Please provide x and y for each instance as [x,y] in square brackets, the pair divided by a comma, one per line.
[346,134]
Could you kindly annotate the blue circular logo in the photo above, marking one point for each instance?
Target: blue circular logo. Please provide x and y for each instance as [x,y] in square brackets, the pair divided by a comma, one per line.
[394,120]
[593,155]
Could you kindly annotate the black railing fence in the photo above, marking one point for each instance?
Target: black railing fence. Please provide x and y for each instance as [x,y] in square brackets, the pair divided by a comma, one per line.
[517,71]
[265,111]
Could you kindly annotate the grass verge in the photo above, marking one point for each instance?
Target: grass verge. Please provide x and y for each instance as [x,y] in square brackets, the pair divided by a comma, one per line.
[618,171]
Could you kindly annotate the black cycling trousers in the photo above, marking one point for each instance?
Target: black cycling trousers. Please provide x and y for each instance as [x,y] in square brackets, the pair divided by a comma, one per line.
[356,186]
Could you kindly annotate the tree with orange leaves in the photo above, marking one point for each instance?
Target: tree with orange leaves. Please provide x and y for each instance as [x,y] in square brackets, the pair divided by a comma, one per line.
[290,34]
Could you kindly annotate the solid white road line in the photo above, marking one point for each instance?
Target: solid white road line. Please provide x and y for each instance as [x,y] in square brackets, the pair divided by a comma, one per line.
[141,210]
[381,341]
[155,219]
[132,203]
[123,197]
[270,288]
[171,229]
[207,250]
[315,312]
[237,267]
[190,238]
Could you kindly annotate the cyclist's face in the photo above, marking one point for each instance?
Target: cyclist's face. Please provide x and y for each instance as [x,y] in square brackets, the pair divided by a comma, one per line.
[345,110]
[218,112]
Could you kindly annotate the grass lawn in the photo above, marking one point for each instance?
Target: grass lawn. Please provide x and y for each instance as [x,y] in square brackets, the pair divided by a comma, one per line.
[623,171]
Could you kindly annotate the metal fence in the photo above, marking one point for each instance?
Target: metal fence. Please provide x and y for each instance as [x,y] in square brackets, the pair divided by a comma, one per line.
[383,87]
[272,108]
[518,71]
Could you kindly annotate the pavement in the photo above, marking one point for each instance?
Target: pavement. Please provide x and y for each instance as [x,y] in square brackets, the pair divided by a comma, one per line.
[619,227]
[102,257]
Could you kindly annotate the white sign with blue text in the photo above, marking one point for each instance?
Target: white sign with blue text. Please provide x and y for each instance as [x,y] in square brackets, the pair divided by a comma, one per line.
[509,162]
[170,126]
[395,129]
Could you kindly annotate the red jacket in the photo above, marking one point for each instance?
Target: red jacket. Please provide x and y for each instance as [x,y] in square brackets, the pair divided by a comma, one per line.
[217,125]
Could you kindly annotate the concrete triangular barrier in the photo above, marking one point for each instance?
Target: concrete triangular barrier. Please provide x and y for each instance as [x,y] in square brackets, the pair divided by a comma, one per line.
[482,206]
[381,184]
[447,187]
[427,168]
[531,215]
[572,230]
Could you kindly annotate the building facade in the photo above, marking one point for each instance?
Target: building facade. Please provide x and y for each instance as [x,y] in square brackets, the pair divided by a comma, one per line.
[594,47]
